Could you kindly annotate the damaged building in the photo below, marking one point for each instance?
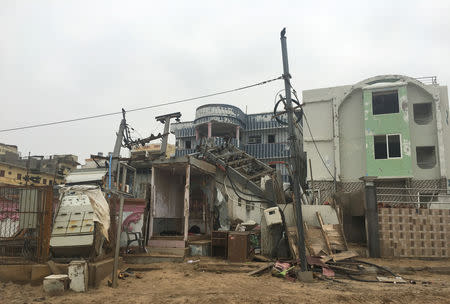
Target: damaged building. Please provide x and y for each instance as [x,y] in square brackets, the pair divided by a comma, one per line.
[392,127]
[257,134]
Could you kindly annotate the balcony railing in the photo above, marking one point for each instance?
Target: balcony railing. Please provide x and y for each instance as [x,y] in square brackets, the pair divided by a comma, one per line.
[427,80]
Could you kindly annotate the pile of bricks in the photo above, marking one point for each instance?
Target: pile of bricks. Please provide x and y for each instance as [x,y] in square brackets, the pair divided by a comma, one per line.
[410,232]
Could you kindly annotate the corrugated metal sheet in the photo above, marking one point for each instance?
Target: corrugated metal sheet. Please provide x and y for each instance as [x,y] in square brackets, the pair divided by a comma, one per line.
[182,152]
[86,176]
[281,135]
[185,129]
[261,121]
[262,151]
[220,112]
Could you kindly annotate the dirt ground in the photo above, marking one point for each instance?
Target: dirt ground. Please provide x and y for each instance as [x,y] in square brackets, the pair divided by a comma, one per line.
[211,282]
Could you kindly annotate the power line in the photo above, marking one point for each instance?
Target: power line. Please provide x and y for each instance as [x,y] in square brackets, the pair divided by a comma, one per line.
[312,137]
[142,108]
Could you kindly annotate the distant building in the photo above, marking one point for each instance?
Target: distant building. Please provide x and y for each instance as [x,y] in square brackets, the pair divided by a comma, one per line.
[33,170]
[257,134]
[152,148]
[392,127]
[5,148]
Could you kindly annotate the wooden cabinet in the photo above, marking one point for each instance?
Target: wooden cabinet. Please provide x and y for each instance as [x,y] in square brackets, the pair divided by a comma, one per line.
[239,248]
[219,244]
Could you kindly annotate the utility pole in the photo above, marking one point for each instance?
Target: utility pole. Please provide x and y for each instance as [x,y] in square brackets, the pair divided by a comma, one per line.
[295,155]
[119,224]
[115,168]
[165,119]
[118,144]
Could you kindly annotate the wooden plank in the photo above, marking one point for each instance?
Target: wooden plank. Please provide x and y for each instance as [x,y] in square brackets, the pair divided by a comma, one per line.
[341,230]
[292,235]
[342,256]
[245,160]
[186,202]
[337,239]
[307,240]
[324,233]
[261,258]
[260,269]
[202,165]
[316,242]
[259,175]
[152,203]
[395,280]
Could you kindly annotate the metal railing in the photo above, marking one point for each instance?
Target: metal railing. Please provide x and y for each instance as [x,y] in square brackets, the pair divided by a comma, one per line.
[422,197]
[25,223]
[427,80]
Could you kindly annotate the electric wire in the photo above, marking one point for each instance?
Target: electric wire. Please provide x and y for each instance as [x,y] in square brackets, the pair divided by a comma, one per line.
[236,189]
[312,137]
[143,108]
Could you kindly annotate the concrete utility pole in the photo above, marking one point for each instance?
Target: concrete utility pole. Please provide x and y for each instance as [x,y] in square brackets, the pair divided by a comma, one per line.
[165,119]
[118,144]
[372,235]
[295,155]
[115,168]
[119,225]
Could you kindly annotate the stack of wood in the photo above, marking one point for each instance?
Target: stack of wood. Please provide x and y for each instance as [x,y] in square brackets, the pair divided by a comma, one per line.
[325,239]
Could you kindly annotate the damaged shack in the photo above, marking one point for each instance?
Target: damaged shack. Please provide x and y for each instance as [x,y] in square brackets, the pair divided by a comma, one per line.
[208,193]
[181,199]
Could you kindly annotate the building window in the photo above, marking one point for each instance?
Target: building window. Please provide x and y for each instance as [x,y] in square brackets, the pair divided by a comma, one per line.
[423,113]
[2,173]
[9,172]
[254,139]
[188,144]
[19,176]
[426,157]
[387,146]
[271,138]
[44,181]
[385,102]
[50,182]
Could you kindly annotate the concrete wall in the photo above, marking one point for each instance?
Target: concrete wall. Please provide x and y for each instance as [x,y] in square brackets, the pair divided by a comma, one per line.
[393,123]
[318,108]
[320,119]
[422,135]
[407,232]
[352,138]
[238,208]
[11,172]
[353,159]
[445,118]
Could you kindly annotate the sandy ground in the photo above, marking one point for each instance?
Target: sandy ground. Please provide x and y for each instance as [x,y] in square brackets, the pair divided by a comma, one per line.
[187,283]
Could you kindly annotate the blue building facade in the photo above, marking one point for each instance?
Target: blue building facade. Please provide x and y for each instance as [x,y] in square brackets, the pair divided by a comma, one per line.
[257,134]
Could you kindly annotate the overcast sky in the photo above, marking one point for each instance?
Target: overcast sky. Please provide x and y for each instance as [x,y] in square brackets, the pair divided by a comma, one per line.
[66,59]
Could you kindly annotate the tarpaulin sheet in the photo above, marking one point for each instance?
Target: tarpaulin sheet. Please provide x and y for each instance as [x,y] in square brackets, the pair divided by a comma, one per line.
[98,203]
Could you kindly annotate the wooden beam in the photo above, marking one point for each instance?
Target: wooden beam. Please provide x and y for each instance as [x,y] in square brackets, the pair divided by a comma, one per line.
[186,202]
[238,161]
[202,165]
[260,269]
[152,203]
[259,175]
